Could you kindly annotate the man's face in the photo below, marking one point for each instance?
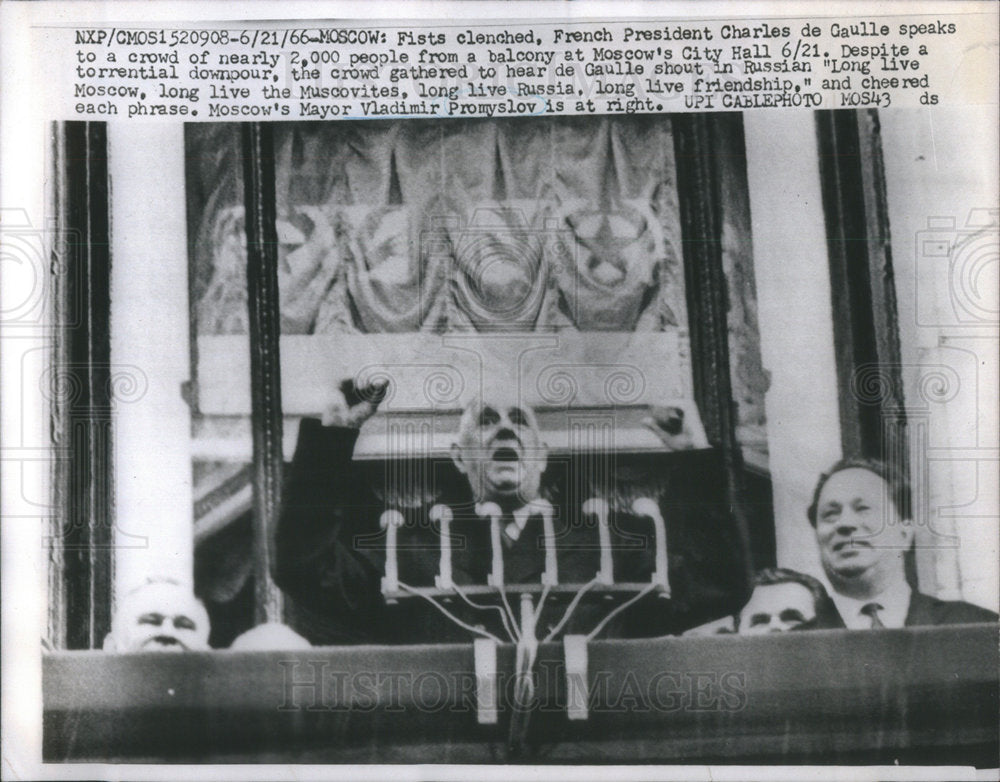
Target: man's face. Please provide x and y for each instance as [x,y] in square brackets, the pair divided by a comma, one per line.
[777,608]
[859,531]
[161,617]
[500,451]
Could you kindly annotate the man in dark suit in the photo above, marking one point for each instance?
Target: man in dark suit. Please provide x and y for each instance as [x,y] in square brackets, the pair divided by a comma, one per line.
[331,542]
[861,516]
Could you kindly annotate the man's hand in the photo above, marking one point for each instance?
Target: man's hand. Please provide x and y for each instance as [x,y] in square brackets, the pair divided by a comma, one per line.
[352,406]
[668,424]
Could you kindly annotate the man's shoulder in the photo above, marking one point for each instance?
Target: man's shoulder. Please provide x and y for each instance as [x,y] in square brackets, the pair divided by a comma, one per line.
[928,610]
[924,610]
[827,616]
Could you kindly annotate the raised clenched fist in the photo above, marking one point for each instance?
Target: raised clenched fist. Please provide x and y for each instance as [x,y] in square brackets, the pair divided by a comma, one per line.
[667,423]
[352,406]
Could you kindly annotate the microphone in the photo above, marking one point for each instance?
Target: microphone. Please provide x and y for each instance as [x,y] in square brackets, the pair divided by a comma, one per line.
[598,506]
[551,575]
[644,506]
[492,510]
[443,515]
[390,521]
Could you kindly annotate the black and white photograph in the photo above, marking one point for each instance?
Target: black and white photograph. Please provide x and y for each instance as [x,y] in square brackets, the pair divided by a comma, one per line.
[501,405]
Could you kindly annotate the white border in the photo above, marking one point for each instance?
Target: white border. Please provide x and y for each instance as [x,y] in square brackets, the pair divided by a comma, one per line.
[23,135]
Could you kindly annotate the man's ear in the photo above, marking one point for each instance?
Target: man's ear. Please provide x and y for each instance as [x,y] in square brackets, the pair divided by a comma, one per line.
[542,455]
[456,457]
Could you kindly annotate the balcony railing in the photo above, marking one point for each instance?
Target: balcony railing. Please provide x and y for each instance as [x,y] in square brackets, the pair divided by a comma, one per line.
[913,696]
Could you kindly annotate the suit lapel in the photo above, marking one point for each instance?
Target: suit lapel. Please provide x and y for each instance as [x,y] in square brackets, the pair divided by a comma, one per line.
[828,617]
[524,561]
[921,610]
[471,551]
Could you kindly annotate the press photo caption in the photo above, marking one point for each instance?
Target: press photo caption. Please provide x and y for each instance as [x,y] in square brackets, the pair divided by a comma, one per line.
[333,71]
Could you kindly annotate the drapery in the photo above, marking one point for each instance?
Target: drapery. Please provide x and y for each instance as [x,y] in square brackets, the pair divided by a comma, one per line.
[448,226]
[518,225]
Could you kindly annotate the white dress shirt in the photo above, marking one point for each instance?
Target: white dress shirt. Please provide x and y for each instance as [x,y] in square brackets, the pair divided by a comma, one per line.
[895,602]
[521,516]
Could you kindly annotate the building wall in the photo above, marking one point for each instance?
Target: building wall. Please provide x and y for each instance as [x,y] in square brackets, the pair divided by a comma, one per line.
[942,191]
[941,188]
[149,348]
[795,310]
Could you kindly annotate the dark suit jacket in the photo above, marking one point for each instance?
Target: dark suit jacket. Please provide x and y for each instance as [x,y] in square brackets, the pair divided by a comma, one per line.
[330,552]
[924,610]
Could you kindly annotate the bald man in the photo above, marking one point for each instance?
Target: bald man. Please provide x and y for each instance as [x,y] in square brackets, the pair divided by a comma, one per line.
[160,615]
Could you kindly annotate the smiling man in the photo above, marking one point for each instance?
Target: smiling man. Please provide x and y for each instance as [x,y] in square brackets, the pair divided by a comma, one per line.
[861,516]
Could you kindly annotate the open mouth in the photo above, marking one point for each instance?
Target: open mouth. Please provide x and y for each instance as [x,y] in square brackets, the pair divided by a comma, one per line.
[505,454]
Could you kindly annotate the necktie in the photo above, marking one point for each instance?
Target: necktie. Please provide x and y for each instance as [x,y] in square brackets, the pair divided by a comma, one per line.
[871,610]
[514,524]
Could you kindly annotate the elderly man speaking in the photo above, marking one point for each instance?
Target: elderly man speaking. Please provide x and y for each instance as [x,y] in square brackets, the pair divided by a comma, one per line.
[513,518]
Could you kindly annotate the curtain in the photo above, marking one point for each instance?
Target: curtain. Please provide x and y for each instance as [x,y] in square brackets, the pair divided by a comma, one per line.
[446,226]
